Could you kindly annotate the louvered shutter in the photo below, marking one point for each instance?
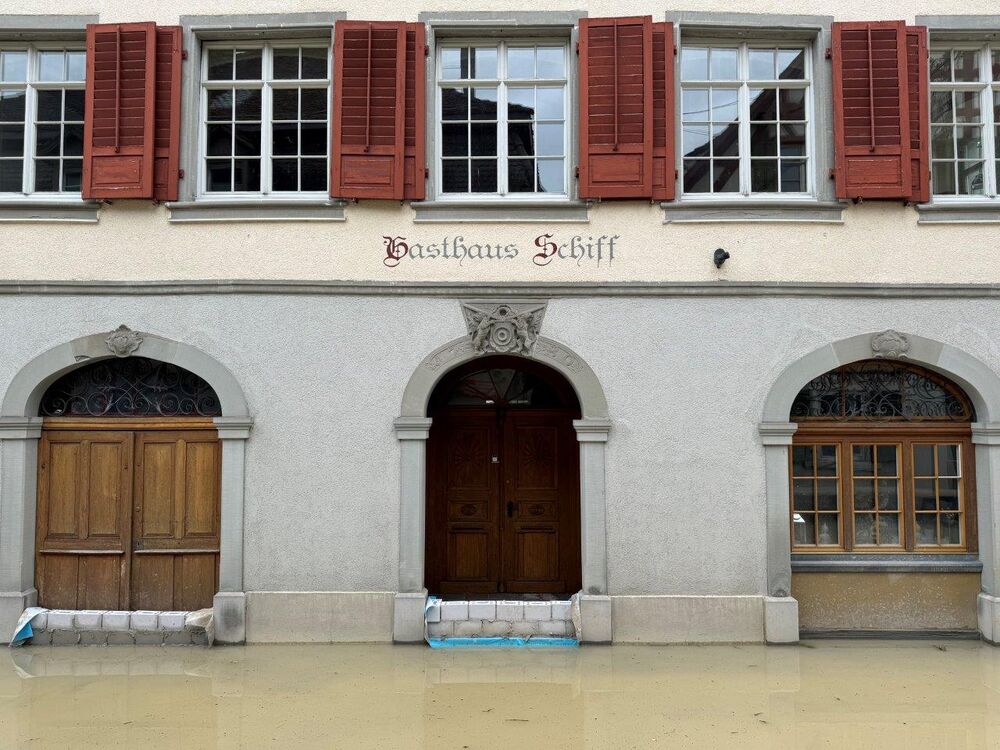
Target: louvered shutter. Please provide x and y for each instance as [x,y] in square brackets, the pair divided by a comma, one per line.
[167,118]
[369,103]
[616,107]
[918,78]
[414,163]
[871,107]
[664,170]
[120,102]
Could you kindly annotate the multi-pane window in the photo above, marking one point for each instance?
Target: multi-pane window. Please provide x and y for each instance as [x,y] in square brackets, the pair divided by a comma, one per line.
[816,495]
[502,119]
[965,121]
[937,493]
[265,118]
[745,118]
[41,120]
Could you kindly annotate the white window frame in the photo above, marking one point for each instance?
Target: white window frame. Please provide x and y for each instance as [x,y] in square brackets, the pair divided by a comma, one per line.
[31,87]
[267,83]
[808,83]
[986,86]
[501,45]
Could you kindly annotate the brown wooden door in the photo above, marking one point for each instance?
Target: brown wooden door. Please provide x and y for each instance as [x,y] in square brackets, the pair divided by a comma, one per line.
[502,503]
[128,519]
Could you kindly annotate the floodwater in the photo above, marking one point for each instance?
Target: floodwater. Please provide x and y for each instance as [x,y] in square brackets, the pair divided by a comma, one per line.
[822,694]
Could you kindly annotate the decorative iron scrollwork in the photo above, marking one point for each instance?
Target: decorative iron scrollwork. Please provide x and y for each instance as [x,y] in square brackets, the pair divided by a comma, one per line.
[130,387]
[879,390]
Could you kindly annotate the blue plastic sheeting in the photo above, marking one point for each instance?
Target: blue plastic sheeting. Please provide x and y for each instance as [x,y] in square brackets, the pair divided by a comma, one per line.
[533,642]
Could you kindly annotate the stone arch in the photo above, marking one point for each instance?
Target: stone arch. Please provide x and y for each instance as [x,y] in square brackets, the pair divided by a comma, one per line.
[592,430]
[980,383]
[20,429]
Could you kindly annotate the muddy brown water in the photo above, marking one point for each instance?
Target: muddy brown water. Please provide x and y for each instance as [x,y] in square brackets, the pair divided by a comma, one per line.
[823,694]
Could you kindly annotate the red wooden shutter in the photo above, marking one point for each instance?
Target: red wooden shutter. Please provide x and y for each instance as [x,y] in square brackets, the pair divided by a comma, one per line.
[616,107]
[120,102]
[664,169]
[368,110]
[918,78]
[871,107]
[167,137]
[414,162]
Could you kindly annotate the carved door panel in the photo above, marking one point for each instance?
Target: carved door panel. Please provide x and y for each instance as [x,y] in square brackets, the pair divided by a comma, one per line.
[463,519]
[83,519]
[540,550]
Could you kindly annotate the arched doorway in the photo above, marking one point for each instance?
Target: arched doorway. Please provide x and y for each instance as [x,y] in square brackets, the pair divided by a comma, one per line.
[129,486]
[503,481]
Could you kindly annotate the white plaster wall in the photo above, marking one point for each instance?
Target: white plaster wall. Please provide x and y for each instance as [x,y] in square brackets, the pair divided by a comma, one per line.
[879,242]
[685,379]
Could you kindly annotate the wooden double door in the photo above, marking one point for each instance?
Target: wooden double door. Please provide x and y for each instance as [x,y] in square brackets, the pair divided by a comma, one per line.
[503,509]
[128,515]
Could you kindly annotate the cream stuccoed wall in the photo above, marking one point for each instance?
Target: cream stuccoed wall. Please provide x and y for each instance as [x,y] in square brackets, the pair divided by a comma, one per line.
[877,242]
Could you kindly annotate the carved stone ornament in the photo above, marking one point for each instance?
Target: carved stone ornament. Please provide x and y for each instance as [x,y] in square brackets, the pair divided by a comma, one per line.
[123,341]
[890,345]
[503,327]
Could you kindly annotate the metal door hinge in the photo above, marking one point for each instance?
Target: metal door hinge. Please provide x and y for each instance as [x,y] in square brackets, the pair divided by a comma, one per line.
[576,172]
[180,174]
[833,174]
[184,54]
[829,53]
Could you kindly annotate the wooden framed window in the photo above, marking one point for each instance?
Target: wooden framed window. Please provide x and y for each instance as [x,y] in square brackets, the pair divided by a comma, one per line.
[265,119]
[965,121]
[746,114]
[882,461]
[502,125]
[41,120]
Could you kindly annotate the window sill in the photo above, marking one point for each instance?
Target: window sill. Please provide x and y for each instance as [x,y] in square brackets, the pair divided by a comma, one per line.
[959,213]
[209,211]
[796,212]
[49,211]
[501,212]
[916,563]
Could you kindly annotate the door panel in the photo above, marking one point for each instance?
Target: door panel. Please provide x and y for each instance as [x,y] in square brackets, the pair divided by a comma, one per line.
[84,500]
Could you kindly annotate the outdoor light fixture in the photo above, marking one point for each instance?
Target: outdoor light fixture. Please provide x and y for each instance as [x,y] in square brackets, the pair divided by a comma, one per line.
[720,257]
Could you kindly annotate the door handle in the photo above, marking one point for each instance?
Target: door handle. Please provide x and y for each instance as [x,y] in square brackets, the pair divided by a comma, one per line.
[510,508]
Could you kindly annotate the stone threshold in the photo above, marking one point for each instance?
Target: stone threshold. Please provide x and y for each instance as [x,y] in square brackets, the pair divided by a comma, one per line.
[489,619]
[91,627]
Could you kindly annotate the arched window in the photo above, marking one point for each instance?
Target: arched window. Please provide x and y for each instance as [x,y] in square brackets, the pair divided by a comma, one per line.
[130,387]
[882,461]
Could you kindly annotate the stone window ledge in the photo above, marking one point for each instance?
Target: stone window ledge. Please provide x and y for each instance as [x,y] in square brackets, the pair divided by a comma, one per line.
[497,212]
[959,213]
[194,212]
[805,212]
[886,563]
[67,211]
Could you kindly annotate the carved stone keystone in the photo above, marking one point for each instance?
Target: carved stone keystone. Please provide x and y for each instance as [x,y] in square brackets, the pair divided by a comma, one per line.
[503,327]
[890,345]
[123,341]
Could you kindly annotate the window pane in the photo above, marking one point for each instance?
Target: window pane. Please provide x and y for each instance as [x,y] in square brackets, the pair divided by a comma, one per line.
[451,64]
[246,174]
[762,64]
[948,460]
[966,65]
[484,62]
[995,54]
[285,138]
[864,529]
[864,494]
[455,140]
[793,140]
[550,62]
[454,104]
[927,528]
[72,175]
[829,529]
[315,65]
[923,460]
[47,140]
[802,461]
[286,63]
[943,142]
[948,494]
[76,66]
[725,107]
[549,139]
[220,140]
[805,529]
[551,176]
[51,66]
[888,494]
[951,532]
[10,176]
[313,174]
[314,138]
[764,140]
[888,528]
[826,494]
[943,178]
[483,140]
[924,494]
[285,104]
[72,140]
[520,139]
[887,461]
[695,104]
[521,103]
[220,105]
[696,140]
[11,140]
[967,106]
[248,65]
[47,175]
[803,494]
[726,140]
[219,175]
[726,175]
[49,105]
[314,104]
[697,175]
[284,174]
[694,64]
[15,68]
[724,64]
[11,106]
[484,176]
[940,65]
[970,178]
[792,104]
[791,64]
[941,107]
[764,175]
[826,463]
[248,104]
[550,103]
[455,176]
[969,141]
[220,65]
[484,104]
[520,175]
[74,106]
[763,104]
[248,140]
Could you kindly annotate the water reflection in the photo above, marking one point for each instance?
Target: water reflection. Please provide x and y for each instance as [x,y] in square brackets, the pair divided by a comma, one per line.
[828,694]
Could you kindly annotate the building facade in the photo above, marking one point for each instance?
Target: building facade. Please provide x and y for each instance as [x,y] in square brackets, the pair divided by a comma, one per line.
[687,318]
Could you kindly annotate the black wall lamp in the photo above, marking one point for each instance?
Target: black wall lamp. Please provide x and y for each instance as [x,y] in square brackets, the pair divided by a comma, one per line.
[720,257]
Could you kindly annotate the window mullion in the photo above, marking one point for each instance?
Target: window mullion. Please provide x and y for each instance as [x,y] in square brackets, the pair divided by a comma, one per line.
[266,123]
[743,103]
[30,129]
[501,124]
